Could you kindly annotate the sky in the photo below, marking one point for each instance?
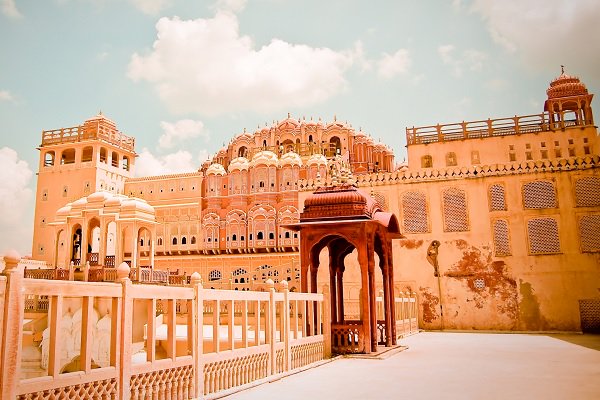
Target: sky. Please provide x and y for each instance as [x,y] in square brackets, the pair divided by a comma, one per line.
[184,77]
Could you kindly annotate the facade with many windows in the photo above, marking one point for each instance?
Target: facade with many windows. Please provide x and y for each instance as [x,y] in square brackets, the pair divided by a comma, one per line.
[514,204]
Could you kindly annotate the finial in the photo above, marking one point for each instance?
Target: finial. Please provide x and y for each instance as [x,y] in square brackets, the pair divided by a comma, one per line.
[289,115]
[562,69]
[244,130]
[334,118]
[100,113]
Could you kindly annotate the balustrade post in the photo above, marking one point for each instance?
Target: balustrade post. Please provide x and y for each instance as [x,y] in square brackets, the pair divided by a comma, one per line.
[124,367]
[198,337]
[12,326]
[86,271]
[270,328]
[327,323]
[285,326]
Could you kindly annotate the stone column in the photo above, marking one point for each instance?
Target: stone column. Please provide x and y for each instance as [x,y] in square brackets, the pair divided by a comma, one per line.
[12,326]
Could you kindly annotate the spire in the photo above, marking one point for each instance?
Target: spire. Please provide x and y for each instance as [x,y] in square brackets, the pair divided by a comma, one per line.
[562,69]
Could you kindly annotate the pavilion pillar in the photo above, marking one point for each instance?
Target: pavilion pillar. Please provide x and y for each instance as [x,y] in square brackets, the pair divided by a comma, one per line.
[364,297]
[390,267]
[371,299]
[340,292]
[102,246]
[333,286]
[387,304]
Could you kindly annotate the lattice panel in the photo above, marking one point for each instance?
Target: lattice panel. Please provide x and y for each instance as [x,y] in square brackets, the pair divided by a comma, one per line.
[539,194]
[589,311]
[501,238]
[543,237]
[221,375]
[587,192]
[414,209]
[455,210]
[172,383]
[589,233]
[306,353]
[105,389]
[497,198]
[381,199]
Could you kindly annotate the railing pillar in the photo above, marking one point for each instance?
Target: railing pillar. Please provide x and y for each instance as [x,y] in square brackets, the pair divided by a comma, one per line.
[326,323]
[198,338]
[126,332]
[12,327]
[270,328]
[285,326]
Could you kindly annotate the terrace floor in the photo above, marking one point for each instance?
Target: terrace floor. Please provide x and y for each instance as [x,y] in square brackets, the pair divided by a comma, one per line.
[444,365]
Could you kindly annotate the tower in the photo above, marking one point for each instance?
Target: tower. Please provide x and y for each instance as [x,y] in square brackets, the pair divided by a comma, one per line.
[568,103]
[75,162]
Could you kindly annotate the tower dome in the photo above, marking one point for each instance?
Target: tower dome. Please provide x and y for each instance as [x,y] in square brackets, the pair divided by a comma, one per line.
[566,86]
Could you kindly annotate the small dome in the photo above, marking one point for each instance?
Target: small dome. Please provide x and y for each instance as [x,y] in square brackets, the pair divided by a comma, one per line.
[566,86]
[290,158]
[344,201]
[216,169]
[318,159]
[379,147]
[100,118]
[134,204]
[222,152]
[98,197]
[264,158]
[239,164]
[66,210]
[79,203]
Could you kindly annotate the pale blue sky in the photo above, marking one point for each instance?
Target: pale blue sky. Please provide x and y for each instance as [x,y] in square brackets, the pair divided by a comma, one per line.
[184,77]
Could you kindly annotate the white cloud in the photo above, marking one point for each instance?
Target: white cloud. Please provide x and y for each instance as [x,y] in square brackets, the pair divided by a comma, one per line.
[205,66]
[151,7]
[391,65]
[16,202]
[546,34]
[148,164]
[5,95]
[179,131]
[234,6]
[9,8]
[470,59]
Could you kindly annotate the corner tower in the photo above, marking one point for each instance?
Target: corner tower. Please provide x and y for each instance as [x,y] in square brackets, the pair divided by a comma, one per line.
[75,162]
[569,102]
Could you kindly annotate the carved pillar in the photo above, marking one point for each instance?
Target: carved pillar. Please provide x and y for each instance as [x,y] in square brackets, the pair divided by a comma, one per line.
[364,297]
[340,292]
[371,299]
[390,263]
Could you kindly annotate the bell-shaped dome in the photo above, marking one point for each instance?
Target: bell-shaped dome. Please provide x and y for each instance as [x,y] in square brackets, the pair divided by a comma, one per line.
[290,158]
[566,86]
[239,164]
[135,204]
[266,157]
[318,159]
[216,169]
[341,202]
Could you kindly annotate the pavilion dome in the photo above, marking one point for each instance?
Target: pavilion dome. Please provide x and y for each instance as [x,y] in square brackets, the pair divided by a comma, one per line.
[566,86]
[318,159]
[64,211]
[265,157]
[216,169]
[342,202]
[239,164]
[290,158]
[135,204]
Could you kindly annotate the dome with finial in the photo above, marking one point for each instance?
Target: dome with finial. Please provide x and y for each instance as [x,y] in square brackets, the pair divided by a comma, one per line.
[266,157]
[290,158]
[340,202]
[215,169]
[566,86]
[239,164]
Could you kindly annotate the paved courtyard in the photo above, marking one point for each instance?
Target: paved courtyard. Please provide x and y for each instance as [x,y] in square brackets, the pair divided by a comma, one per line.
[455,366]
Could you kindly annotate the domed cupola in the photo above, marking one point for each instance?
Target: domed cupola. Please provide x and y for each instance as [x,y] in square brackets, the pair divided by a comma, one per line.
[568,102]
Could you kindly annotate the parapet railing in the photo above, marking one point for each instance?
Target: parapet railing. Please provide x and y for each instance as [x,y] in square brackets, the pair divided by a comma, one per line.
[84,340]
[487,128]
[86,132]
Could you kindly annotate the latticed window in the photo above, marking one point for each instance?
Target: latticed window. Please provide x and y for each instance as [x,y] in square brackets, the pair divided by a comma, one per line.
[539,194]
[414,209]
[587,191]
[542,234]
[497,198]
[214,275]
[501,238]
[589,226]
[455,210]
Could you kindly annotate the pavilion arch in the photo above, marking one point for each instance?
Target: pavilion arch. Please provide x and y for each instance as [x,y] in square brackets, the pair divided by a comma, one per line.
[261,223]
[87,154]
[67,156]
[236,230]
[49,158]
[60,248]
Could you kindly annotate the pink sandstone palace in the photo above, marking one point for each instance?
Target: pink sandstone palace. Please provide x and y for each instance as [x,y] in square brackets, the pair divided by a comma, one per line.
[491,225]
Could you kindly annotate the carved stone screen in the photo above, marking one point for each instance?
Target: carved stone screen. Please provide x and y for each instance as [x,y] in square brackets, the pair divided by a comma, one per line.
[589,233]
[539,194]
[501,238]
[455,210]
[414,210]
[497,198]
[542,234]
[587,191]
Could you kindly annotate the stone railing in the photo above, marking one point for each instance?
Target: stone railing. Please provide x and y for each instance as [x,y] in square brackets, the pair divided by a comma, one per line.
[474,171]
[106,340]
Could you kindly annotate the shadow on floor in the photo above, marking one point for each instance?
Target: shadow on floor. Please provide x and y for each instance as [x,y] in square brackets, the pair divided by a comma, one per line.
[589,340]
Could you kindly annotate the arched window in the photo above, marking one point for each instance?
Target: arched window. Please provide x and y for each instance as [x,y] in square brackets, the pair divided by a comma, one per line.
[103,155]
[234,237]
[183,240]
[214,275]
[49,159]
[271,236]
[159,241]
[451,159]
[259,236]
[114,159]
[242,151]
[193,240]
[310,138]
[287,234]
[174,241]
[125,163]
[68,156]
[335,144]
